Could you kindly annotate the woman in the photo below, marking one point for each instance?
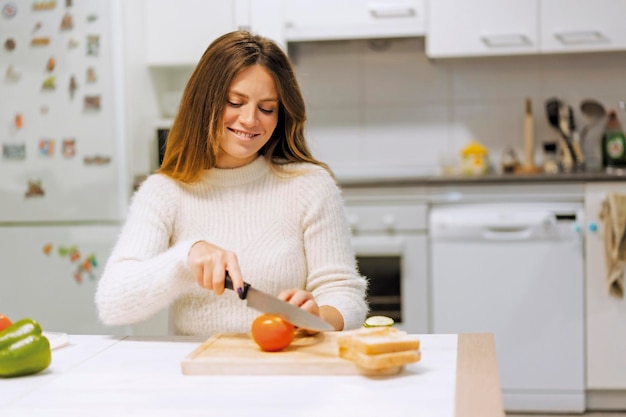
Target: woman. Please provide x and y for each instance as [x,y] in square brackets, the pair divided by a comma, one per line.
[238,191]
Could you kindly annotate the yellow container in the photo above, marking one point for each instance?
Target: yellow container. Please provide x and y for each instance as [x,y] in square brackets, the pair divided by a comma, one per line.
[474,159]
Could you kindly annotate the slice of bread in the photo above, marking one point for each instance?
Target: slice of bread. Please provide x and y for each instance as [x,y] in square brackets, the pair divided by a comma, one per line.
[379,348]
[381,360]
[378,340]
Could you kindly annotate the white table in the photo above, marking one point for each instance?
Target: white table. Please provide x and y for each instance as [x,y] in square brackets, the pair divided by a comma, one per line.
[139,376]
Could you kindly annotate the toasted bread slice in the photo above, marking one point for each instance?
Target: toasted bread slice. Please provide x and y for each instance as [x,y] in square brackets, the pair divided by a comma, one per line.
[381,360]
[378,340]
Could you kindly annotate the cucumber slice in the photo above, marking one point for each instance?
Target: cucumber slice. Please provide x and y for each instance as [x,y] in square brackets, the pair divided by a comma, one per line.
[378,321]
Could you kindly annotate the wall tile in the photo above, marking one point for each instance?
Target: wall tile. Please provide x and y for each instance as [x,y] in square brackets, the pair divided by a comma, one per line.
[578,76]
[397,71]
[494,78]
[406,136]
[329,73]
[334,134]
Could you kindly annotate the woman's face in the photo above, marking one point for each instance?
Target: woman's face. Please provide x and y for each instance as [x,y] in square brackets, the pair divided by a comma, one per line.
[250,117]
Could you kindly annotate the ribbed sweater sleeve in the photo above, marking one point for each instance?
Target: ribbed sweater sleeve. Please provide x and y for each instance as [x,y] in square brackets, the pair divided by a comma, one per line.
[143,275]
[332,278]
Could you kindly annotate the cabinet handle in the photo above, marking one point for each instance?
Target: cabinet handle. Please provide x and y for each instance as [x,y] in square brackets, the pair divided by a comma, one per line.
[500,41]
[581,37]
[387,11]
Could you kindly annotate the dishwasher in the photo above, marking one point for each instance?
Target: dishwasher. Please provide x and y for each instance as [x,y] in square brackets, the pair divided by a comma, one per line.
[516,270]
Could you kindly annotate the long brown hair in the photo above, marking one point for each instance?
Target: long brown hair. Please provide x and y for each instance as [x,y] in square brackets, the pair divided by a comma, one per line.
[193,140]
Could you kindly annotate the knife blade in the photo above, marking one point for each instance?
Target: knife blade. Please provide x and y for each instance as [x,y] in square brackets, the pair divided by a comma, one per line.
[266,303]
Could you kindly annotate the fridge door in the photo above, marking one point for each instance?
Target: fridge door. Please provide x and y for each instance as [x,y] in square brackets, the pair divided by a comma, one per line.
[50,274]
[63,154]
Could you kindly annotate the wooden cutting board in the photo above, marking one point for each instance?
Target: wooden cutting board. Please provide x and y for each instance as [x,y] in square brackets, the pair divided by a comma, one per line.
[237,354]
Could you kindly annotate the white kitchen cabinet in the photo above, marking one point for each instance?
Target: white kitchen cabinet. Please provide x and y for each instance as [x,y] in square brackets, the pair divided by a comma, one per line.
[307,20]
[459,28]
[264,18]
[582,25]
[605,315]
[178,33]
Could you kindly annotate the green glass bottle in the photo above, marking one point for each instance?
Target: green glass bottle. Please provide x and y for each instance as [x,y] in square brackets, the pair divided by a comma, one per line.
[613,145]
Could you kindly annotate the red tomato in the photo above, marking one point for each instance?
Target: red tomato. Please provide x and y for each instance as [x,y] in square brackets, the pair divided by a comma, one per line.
[4,322]
[272,333]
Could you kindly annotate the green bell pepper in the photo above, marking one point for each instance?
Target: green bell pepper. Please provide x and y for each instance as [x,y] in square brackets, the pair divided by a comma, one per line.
[23,349]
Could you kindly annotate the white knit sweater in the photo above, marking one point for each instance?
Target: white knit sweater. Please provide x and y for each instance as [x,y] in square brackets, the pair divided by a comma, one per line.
[288,231]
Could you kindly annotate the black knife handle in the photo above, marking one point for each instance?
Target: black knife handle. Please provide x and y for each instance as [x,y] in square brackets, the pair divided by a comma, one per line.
[228,284]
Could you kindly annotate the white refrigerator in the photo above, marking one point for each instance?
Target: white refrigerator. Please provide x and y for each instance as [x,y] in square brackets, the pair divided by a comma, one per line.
[64,187]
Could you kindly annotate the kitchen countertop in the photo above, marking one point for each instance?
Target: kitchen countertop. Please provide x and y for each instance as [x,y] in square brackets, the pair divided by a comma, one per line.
[141,376]
[487,179]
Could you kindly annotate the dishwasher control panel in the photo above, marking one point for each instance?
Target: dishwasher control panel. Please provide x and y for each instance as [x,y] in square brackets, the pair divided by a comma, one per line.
[506,221]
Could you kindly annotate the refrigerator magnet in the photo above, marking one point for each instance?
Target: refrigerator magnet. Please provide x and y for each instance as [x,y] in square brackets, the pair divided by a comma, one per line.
[67,23]
[86,267]
[91,103]
[92,18]
[34,189]
[47,248]
[9,10]
[68,148]
[10,44]
[18,121]
[73,43]
[14,151]
[93,45]
[74,255]
[46,147]
[73,86]
[96,160]
[90,262]
[68,3]
[37,26]
[49,83]
[92,77]
[44,4]
[50,64]
[40,41]
[70,251]
[12,74]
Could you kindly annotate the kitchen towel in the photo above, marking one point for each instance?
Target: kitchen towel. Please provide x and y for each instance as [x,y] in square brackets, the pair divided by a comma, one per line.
[613,215]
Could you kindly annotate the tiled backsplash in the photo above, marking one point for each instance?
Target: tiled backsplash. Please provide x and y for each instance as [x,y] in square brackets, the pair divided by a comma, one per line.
[384,106]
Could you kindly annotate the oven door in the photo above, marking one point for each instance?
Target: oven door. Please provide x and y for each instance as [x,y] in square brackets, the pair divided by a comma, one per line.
[396,268]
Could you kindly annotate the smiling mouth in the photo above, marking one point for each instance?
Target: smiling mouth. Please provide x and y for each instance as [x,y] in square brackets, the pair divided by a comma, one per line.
[242,134]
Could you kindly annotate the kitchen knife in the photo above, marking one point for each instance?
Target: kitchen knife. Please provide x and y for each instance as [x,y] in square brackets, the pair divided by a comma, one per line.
[266,303]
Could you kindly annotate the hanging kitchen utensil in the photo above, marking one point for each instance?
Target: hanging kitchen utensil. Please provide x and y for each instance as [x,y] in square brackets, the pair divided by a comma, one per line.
[591,133]
[559,120]
[595,112]
[528,141]
[575,140]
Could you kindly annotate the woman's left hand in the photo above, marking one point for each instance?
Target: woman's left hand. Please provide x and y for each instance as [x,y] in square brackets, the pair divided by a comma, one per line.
[300,298]
[306,301]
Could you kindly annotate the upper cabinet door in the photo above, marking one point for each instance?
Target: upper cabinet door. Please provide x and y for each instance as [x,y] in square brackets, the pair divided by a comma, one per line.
[307,20]
[459,28]
[178,33]
[583,25]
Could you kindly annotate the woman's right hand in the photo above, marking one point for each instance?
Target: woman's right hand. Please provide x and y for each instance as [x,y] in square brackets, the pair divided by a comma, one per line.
[209,264]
